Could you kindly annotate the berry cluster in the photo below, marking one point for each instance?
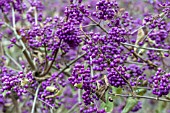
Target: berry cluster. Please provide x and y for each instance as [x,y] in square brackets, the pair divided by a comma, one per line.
[106,9]
[115,78]
[81,78]
[137,77]
[5,5]
[11,82]
[69,34]
[75,13]
[160,83]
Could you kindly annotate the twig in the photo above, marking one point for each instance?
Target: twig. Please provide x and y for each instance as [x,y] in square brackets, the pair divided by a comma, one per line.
[145,97]
[12,68]
[13,60]
[67,66]
[46,62]
[91,67]
[15,102]
[13,18]
[88,25]
[73,108]
[138,29]
[25,51]
[131,62]
[55,55]
[41,100]
[125,80]
[79,95]
[46,103]
[35,16]
[35,98]
[97,24]
[147,48]
[51,110]
[11,42]
[138,56]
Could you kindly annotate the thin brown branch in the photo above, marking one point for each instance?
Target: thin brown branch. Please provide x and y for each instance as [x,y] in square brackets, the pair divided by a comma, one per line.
[146,61]
[55,55]
[46,62]
[72,62]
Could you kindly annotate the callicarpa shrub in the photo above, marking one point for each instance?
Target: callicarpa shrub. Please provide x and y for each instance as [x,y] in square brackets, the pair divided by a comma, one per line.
[84,56]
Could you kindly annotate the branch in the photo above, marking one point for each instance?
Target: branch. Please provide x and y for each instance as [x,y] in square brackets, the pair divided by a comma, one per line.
[55,55]
[25,51]
[97,24]
[146,61]
[46,62]
[67,66]
[15,102]
[13,60]
[91,67]
[73,108]
[35,98]
[35,16]
[145,97]
[147,48]
[125,80]
[61,71]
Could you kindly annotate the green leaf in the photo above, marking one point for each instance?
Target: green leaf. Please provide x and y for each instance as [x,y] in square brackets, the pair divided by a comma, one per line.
[130,103]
